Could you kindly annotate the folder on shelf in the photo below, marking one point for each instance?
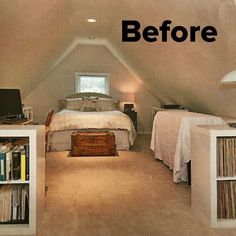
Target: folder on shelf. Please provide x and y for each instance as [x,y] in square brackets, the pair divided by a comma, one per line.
[8,165]
[27,162]
[5,203]
[24,203]
[3,161]
[23,163]
[16,163]
[2,166]
[14,203]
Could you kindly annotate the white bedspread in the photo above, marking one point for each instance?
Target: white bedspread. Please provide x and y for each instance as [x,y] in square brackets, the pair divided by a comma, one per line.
[171,138]
[71,120]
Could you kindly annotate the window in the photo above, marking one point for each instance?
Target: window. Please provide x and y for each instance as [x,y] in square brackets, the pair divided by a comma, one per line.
[92,83]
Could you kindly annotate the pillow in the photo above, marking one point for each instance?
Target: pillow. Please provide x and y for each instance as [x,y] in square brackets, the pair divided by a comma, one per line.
[107,104]
[74,104]
[87,109]
[89,104]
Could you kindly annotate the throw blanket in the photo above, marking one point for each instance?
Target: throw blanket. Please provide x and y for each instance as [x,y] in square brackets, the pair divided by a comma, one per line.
[171,138]
[71,120]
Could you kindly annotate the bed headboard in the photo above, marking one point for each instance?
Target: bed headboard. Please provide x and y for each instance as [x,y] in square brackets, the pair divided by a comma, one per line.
[62,102]
[88,94]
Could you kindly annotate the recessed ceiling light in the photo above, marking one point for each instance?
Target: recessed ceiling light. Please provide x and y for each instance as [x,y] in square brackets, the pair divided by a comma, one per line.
[91,20]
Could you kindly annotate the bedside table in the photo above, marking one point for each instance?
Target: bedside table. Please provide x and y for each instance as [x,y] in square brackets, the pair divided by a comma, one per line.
[133,117]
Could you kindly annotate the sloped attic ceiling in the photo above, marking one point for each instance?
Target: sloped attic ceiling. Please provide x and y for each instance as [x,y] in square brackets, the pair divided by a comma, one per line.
[35,34]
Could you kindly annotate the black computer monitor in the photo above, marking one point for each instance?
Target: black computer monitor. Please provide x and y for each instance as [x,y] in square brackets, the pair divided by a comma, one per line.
[10,103]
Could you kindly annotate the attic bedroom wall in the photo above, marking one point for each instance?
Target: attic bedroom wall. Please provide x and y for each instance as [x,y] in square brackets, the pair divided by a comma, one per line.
[188,73]
[35,33]
[95,59]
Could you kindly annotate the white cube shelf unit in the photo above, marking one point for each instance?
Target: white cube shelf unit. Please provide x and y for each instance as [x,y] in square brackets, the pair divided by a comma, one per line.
[213,160]
[36,182]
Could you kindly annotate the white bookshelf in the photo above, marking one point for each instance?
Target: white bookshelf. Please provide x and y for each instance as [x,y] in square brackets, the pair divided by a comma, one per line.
[204,196]
[36,180]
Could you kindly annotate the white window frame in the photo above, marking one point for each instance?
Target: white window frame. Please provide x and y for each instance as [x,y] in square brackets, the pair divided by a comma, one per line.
[77,80]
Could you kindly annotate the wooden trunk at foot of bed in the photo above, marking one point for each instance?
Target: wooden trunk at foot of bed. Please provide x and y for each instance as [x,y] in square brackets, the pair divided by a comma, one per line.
[93,144]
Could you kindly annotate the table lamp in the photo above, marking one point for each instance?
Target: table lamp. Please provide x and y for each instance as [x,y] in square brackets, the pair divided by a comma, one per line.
[129,99]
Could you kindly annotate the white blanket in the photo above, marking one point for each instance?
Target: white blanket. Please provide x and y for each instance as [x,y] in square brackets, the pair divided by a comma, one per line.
[171,138]
[71,120]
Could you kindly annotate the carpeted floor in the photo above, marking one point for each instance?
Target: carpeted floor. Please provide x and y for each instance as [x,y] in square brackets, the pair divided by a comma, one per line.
[127,195]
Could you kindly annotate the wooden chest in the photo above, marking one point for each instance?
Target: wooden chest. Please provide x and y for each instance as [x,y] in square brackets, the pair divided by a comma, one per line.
[93,144]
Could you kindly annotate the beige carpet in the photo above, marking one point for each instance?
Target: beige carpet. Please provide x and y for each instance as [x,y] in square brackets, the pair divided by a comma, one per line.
[129,195]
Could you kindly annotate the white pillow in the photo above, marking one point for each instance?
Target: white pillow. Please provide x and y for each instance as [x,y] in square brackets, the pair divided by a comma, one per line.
[74,104]
[89,104]
[107,104]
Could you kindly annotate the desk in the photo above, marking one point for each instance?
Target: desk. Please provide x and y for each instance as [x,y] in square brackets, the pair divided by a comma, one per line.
[28,122]
[171,138]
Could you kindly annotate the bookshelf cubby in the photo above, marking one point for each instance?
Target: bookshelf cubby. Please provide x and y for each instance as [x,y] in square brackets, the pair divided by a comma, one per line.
[213,190]
[26,205]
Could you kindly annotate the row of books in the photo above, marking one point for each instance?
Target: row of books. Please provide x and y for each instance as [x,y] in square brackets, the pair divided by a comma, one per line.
[14,161]
[226,199]
[226,156]
[14,203]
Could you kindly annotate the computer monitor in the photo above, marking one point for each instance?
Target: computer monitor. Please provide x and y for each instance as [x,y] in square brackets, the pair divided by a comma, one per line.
[10,103]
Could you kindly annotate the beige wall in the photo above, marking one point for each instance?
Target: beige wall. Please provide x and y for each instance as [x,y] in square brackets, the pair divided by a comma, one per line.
[96,59]
[34,34]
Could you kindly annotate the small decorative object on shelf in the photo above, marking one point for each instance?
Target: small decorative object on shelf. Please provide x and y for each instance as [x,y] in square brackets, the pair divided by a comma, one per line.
[133,117]
[28,113]
[213,194]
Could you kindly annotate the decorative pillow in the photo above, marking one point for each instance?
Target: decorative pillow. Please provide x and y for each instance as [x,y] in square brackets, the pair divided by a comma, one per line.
[106,104]
[74,104]
[89,104]
[90,109]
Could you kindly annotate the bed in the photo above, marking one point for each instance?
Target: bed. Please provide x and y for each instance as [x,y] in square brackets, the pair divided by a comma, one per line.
[170,140]
[89,112]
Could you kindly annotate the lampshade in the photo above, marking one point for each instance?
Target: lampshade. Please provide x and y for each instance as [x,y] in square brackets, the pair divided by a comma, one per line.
[229,78]
[128,97]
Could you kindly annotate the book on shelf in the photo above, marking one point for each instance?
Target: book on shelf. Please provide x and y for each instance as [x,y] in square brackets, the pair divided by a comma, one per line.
[226,197]
[4,164]
[22,163]
[27,154]
[14,161]
[14,203]
[226,156]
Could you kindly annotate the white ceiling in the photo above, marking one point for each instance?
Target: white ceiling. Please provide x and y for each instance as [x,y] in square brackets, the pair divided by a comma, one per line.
[37,35]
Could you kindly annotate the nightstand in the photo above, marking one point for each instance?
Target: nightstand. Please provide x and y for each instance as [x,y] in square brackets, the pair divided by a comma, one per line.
[133,117]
